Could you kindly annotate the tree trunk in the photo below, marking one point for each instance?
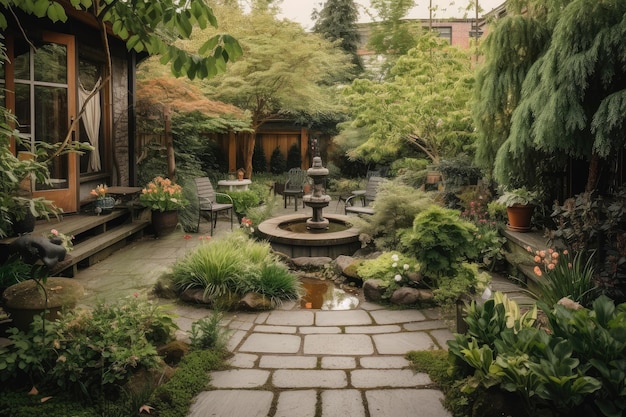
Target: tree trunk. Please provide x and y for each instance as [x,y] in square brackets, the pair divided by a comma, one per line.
[169,144]
[593,173]
[248,151]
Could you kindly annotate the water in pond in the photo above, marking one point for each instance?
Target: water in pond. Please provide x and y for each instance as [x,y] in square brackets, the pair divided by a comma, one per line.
[300,227]
[324,295]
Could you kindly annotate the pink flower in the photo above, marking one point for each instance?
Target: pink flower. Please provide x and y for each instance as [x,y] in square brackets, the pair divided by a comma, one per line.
[550,266]
[54,232]
[555,255]
[187,237]
[537,258]
[542,253]
[529,249]
[136,294]
[565,252]
[537,271]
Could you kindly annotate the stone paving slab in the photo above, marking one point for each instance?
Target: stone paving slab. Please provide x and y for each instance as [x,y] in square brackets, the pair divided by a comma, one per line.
[276,329]
[319,330]
[300,403]
[442,336]
[397,316]
[232,403]
[342,403]
[239,378]
[242,360]
[373,329]
[288,362]
[342,318]
[405,403]
[271,343]
[288,378]
[376,378]
[401,343]
[290,318]
[338,362]
[384,362]
[337,344]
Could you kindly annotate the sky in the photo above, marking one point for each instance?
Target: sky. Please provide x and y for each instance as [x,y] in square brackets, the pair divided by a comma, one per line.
[300,10]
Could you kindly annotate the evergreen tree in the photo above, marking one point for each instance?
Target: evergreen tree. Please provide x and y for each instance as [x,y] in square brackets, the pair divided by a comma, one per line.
[278,164]
[337,22]
[259,160]
[572,92]
[294,159]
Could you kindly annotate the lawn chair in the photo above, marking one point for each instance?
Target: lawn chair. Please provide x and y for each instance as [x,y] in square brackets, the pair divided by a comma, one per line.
[294,186]
[208,206]
[371,189]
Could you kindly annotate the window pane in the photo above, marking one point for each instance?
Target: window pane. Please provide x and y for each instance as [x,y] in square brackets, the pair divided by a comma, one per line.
[51,126]
[51,63]
[21,60]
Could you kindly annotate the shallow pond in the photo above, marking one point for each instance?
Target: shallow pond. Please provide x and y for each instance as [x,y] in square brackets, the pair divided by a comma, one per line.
[324,295]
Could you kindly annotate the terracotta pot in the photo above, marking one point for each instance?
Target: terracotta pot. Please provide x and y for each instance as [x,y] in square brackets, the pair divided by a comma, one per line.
[164,222]
[520,217]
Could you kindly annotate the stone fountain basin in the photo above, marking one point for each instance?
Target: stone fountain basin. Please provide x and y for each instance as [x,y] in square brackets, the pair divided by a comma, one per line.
[294,244]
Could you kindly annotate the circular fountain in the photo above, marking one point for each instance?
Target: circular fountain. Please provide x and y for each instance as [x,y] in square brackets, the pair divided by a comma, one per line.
[317,235]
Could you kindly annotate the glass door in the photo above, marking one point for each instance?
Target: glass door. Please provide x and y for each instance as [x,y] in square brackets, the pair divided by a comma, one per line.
[45,100]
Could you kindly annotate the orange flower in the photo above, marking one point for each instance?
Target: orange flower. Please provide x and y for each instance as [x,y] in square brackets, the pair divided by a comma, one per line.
[537,271]
[551,266]
[537,258]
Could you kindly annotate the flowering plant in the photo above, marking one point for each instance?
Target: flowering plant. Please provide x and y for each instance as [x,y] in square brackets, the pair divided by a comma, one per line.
[163,195]
[100,192]
[246,225]
[62,239]
[562,275]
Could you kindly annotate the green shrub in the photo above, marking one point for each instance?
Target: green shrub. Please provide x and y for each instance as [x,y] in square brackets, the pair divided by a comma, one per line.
[244,200]
[19,404]
[294,158]
[440,240]
[276,283]
[278,164]
[89,352]
[577,366]
[259,160]
[12,271]
[233,266]
[208,333]
[396,206]
[392,268]
[173,398]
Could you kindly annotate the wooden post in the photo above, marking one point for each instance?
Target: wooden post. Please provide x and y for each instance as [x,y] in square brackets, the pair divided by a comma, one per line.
[304,148]
[232,151]
[169,144]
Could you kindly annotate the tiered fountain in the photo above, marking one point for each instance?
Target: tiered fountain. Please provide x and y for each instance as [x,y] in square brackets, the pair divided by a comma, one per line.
[300,235]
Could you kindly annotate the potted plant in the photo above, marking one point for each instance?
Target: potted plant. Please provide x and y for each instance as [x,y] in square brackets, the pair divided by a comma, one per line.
[104,203]
[520,204]
[164,198]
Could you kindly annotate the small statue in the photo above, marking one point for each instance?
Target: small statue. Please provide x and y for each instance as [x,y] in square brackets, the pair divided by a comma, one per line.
[33,248]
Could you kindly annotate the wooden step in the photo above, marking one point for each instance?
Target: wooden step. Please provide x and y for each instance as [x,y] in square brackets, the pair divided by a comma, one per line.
[98,247]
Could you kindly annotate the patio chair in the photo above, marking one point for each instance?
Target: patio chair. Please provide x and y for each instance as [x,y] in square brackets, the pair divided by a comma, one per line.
[371,189]
[208,207]
[360,193]
[294,186]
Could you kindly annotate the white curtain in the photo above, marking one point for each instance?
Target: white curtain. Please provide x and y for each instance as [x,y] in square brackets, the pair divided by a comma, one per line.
[91,122]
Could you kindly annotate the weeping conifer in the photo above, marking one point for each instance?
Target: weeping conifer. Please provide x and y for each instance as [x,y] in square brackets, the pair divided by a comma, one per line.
[573,97]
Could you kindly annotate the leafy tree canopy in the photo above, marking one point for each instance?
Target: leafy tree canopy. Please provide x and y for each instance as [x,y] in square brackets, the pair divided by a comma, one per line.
[424,103]
[147,26]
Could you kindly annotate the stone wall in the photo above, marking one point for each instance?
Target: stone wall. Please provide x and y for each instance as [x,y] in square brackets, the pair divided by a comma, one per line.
[121,163]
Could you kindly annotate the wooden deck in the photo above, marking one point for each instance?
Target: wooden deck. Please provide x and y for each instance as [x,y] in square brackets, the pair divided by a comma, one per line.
[95,236]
